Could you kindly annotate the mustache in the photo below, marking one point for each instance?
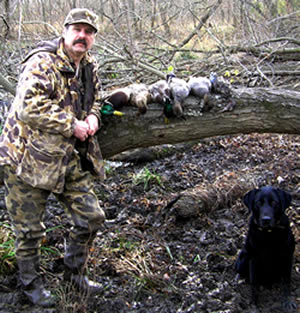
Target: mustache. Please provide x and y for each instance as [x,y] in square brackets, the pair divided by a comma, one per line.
[80,41]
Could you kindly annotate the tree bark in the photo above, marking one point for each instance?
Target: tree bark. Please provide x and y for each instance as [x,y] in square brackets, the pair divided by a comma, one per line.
[262,110]
[223,192]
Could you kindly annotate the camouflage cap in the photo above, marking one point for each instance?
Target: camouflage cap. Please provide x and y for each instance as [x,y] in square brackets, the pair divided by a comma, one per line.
[85,16]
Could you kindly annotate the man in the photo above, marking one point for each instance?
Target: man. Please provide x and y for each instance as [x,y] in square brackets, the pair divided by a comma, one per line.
[48,145]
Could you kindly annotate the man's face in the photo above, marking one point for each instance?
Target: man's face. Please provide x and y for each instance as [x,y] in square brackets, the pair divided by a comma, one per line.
[78,38]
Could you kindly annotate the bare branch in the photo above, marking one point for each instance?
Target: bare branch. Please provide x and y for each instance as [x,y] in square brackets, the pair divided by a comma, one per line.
[9,87]
[287,39]
[202,21]
[56,33]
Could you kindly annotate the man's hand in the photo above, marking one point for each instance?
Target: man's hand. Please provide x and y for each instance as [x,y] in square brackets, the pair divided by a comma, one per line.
[92,121]
[81,130]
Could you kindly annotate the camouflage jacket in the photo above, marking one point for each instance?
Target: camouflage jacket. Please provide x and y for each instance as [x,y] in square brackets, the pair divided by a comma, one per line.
[37,136]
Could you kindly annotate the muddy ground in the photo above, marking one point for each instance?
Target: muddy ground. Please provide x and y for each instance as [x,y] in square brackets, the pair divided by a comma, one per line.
[149,259]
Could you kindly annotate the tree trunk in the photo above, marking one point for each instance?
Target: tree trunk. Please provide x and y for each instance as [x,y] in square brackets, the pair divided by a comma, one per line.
[262,110]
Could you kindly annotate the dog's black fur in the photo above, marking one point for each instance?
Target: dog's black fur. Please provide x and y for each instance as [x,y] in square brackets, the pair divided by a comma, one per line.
[267,255]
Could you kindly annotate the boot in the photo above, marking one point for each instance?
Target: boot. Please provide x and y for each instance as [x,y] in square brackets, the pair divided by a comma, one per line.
[33,286]
[75,260]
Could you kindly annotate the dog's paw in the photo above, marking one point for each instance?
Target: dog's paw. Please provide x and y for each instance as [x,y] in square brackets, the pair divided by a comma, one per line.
[289,305]
[253,309]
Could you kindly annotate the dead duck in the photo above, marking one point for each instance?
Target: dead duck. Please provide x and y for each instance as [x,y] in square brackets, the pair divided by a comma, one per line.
[137,95]
[179,92]
[140,97]
[160,92]
[201,86]
[118,98]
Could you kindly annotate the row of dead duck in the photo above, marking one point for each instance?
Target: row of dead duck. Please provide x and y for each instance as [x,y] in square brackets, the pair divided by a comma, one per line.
[169,92]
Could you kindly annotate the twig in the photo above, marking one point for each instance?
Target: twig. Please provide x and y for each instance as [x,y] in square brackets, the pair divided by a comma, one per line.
[138,63]
[289,39]
[44,23]
[283,17]
[7,85]
[6,24]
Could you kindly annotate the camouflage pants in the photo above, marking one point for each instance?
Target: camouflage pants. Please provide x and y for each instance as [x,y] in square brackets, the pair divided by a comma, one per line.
[26,207]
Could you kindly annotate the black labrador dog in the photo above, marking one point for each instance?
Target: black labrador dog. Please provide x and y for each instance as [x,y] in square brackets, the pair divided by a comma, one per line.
[267,254]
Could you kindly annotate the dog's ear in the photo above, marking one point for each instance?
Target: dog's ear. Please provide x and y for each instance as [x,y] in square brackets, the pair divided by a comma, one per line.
[248,199]
[285,198]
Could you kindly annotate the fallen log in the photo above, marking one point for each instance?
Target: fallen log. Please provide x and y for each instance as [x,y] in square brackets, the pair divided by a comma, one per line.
[223,192]
[248,110]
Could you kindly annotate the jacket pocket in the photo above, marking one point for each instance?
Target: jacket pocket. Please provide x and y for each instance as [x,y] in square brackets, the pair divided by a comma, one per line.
[42,167]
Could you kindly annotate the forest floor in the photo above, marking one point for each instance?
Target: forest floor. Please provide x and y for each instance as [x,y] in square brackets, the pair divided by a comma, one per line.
[149,259]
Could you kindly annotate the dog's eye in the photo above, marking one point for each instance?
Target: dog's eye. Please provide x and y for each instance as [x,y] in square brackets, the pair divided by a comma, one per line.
[258,203]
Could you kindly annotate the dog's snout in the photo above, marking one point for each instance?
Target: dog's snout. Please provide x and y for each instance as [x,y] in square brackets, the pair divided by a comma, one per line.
[266,221]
